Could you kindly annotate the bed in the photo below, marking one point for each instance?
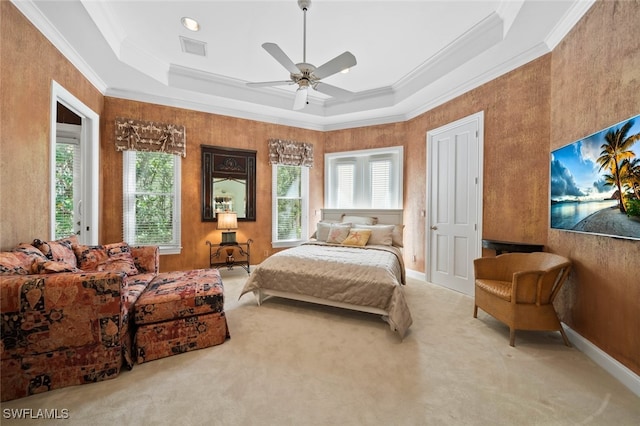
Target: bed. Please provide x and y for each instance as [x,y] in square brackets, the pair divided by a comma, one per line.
[364,277]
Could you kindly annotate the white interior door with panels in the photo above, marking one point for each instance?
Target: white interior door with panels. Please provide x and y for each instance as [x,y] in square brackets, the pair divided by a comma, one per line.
[454,194]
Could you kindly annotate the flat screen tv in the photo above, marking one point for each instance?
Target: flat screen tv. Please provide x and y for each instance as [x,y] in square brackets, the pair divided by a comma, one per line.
[595,183]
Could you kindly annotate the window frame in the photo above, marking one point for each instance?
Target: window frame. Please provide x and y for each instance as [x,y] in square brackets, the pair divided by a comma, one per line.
[128,172]
[362,160]
[304,197]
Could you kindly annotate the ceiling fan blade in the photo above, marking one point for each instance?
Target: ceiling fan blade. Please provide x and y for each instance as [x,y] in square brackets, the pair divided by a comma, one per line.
[275,51]
[270,83]
[333,91]
[337,64]
[301,98]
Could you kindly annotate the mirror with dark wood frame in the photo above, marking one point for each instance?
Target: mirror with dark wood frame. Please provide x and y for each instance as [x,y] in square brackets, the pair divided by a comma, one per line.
[228,182]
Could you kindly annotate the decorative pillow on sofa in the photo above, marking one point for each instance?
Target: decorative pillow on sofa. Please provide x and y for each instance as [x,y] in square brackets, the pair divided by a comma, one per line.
[20,260]
[46,266]
[59,250]
[338,232]
[357,237]
[120,259]
[111,258]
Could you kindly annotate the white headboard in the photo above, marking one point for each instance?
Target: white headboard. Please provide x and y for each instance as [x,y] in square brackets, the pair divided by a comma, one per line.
[390,217]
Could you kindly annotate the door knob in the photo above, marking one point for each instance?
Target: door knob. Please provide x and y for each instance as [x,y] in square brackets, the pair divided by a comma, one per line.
[434,227]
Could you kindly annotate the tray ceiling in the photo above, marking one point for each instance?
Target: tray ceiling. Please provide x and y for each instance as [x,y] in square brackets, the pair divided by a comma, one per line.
[411,55]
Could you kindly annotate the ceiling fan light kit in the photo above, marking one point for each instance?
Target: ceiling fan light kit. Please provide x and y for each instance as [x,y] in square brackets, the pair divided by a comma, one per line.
[306,75]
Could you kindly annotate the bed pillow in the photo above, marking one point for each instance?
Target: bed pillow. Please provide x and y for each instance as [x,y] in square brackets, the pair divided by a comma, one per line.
[357,237]
[380,234]
[397,236]
[338,232]
[322,230]
[361,220]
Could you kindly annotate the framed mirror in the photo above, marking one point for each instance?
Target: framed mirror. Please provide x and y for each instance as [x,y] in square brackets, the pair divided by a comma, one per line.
[228,182]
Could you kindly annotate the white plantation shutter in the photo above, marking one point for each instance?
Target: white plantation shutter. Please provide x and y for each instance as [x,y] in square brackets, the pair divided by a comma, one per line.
[367,179]
[345,184]
[380,178]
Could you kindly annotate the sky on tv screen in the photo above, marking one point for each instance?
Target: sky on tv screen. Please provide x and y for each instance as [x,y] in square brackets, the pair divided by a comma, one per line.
[575,173]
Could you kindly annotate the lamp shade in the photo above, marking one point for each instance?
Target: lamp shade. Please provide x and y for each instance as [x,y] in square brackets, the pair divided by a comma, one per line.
[228,220]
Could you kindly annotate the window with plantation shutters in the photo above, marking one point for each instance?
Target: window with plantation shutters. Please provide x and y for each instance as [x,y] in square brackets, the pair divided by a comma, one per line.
[152,200]
[367,179]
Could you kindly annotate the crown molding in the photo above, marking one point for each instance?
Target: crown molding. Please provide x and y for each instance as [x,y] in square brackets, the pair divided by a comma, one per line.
[570,19]
[50,32]
[438,80]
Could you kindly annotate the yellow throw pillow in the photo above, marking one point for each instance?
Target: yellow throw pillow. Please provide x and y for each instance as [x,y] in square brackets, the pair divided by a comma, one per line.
[357,237]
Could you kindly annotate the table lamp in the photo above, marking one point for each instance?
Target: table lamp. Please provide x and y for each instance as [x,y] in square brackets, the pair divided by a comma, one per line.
[228,221]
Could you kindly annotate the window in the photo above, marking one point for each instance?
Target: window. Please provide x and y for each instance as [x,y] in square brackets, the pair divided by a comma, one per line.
[290,205]
[67,186]
[152,200]
[367,179]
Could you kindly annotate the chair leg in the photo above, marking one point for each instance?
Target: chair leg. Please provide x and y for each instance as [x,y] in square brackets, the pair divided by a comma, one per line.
[475,311]
[512,337]
[564,337]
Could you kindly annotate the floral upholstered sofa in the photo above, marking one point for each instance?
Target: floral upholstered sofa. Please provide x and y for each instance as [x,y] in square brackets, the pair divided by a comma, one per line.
[66,312]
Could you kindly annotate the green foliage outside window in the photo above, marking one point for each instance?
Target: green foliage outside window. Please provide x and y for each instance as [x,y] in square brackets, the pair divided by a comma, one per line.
[154,198]
[289,193]
[64,190]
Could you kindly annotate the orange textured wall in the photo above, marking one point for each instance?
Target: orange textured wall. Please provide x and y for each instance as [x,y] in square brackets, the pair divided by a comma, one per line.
[595,78]
[29,63]
[202,129]
[516,157]
[589,82]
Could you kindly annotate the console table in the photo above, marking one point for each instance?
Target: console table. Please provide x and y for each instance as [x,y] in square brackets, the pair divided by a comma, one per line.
[230,255]
[509,246]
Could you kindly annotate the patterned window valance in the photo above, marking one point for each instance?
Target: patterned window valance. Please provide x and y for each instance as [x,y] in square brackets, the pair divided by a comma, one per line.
[290,153]
[135,135]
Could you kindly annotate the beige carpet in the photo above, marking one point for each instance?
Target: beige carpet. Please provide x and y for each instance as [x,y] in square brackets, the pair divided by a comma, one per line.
[290,363]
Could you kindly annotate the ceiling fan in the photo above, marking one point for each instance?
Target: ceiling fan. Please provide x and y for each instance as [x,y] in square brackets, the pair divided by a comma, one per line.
[306,75]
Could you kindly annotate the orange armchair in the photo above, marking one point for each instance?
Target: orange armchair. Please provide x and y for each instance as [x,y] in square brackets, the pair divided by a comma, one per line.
[518,289]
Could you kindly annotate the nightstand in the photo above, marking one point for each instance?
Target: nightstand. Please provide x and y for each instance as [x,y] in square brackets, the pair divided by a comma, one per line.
[230,255]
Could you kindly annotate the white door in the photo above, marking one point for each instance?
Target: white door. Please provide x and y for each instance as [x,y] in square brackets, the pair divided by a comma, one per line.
[83,145]
[454,157]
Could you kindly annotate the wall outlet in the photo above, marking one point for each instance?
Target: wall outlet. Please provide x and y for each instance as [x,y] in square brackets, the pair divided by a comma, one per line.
[266,253]
[414,258]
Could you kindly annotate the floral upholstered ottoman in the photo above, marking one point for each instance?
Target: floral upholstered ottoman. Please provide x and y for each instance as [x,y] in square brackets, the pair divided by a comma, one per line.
[179,312]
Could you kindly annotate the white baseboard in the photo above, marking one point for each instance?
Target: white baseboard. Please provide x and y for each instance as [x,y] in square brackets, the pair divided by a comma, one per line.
[605,361]
[416,275]
[623,374]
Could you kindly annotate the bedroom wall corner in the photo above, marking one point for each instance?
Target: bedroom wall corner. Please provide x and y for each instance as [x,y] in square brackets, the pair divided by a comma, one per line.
[29,64]
[595,84]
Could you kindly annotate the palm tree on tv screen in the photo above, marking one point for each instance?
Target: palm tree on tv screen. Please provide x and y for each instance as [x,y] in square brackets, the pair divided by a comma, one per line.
[615,150]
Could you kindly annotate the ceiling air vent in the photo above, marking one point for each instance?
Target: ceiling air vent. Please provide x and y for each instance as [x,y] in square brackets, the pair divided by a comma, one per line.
[193,46]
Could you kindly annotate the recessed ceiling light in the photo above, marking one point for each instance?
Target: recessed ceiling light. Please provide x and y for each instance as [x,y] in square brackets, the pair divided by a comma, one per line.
[190,24]
[346,70]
